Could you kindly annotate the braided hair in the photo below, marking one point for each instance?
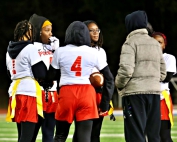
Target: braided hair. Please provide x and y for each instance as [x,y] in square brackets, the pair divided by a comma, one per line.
[22,30]
[99,43]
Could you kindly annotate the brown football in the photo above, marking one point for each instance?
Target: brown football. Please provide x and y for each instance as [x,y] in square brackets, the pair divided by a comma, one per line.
[96,79]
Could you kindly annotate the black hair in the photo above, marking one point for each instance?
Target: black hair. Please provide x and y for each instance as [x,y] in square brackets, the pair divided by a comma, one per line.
[150,29]
[99,43]
[21,30]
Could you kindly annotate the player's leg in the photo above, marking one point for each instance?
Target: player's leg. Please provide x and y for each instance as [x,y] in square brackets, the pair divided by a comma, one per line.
[37,127]
[19,130]
[96,129]
[165,131]
[153,121]
[62,130]
[27,130]
[134,111]
[48,127]
[83,130]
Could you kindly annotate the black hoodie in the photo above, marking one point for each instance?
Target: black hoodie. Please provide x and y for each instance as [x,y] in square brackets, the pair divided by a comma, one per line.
[136,20]
[78,34]
[37,21]
[15,48]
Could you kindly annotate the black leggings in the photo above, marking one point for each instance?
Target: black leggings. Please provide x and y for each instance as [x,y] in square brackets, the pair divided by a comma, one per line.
[83,130]
[96,129]
[165,131]
[47,126]
[25,131]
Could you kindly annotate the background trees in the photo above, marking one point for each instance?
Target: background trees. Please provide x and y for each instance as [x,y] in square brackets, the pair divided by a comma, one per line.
[109,14]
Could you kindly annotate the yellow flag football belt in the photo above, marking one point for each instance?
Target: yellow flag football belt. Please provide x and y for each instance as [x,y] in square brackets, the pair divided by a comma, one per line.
[168,103]
[11,114]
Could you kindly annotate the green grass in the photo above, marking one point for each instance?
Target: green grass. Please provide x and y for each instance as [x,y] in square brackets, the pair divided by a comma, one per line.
[111,131]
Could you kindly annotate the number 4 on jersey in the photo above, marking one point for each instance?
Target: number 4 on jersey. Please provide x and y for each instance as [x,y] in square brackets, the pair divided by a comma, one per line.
[76,67]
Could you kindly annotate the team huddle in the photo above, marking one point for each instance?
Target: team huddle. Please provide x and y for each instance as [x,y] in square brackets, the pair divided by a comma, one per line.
[53,86]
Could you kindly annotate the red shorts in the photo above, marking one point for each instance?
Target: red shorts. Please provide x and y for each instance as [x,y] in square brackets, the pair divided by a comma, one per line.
[26,109]
[52,103]
[164,109]
[76,102]
[98,98]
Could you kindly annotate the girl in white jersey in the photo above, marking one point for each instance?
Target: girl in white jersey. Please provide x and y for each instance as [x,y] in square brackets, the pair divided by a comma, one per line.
[24,67]
[166,102]
[46,44]
[77,97]
[96,42]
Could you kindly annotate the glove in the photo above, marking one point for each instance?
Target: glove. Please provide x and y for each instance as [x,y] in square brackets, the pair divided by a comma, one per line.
[54,42]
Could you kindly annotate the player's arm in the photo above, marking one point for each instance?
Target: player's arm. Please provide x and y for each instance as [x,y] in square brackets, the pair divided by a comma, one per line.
[168,77]
[39,70]
[53,74]
[108,88]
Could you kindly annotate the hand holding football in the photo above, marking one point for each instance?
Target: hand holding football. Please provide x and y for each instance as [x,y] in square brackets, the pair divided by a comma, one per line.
[96,79]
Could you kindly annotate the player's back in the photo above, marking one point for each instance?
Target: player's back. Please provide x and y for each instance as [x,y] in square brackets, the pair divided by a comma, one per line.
[76,63]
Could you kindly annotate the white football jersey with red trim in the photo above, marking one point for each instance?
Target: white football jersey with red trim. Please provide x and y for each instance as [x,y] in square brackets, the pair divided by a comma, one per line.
[21,68]
[102,55]
[170,62]
[76,63]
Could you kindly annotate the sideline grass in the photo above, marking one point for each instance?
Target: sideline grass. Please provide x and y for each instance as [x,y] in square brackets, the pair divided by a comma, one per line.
[111,131]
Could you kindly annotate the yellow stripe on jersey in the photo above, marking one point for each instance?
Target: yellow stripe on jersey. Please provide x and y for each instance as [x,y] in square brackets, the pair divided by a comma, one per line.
[168,103]
[11,114]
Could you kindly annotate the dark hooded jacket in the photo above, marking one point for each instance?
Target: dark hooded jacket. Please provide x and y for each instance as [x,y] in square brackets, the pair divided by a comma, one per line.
[37,21]
[77,34]
[136,20]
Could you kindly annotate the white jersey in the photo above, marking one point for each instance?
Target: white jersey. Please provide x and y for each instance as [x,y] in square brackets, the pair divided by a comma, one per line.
[102,55]
[21,68]
[76,63]
[170,62]
[45,51]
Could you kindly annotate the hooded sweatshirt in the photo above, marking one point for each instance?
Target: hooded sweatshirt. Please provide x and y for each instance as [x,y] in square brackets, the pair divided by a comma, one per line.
[21,60]
[77,34]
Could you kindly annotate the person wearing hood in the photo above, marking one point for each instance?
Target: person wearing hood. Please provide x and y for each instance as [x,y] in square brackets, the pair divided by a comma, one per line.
[24,67]
[46,44]
[77,97]
[141,69]
[96,37]
[166,104]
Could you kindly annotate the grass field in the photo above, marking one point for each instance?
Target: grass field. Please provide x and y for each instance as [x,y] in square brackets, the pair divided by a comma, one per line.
[111,131]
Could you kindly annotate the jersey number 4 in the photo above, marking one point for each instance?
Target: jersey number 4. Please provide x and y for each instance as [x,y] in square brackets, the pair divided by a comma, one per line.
[76,66]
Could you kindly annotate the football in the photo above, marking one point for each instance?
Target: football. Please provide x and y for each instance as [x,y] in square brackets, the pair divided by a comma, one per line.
[96,79]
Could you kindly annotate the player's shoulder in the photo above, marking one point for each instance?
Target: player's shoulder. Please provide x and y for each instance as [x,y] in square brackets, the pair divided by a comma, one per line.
[30,48]
[38,45]
[168,55]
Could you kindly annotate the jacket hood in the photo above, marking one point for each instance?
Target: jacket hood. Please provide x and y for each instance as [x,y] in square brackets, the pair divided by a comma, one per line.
[78,34]
[15,48]
[37,21]
[136,20]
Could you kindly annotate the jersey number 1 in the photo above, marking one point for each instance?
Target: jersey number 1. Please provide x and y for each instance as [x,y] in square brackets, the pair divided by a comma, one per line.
[76,67]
